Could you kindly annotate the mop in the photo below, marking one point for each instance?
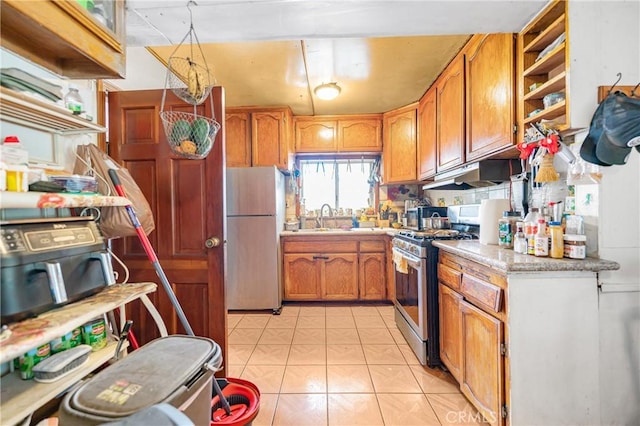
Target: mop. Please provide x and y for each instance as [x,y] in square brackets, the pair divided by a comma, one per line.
[146,244]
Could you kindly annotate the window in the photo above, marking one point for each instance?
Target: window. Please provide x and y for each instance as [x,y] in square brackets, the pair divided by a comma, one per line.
[341,183]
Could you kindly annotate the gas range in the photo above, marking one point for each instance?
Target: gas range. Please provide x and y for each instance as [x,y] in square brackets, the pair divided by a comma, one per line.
[418,242]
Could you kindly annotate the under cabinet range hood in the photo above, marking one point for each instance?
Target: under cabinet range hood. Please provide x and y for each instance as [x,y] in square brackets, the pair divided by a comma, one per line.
[475,175]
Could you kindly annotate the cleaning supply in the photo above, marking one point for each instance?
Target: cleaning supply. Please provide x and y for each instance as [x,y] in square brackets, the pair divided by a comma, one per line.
[59,365]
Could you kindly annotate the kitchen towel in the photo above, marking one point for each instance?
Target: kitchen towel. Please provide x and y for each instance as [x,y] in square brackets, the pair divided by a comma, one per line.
[401,263]
[490,213]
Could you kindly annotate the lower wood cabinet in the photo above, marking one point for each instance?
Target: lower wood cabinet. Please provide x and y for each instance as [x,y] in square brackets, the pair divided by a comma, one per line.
[334,269]
[472,315]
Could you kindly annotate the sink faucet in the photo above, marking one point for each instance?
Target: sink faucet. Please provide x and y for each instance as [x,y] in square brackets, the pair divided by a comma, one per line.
[320,219]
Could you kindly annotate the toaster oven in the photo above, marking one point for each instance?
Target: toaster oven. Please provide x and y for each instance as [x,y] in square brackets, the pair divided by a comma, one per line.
[414,215]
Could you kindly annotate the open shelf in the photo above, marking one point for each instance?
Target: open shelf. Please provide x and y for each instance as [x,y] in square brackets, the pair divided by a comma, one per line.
[556,84]
[44,200]
[546,37]
[22,336]
[21,397]
[554,111]
[548,62]
[19,108]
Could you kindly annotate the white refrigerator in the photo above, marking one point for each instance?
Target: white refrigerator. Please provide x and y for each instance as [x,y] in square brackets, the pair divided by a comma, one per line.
[255,218]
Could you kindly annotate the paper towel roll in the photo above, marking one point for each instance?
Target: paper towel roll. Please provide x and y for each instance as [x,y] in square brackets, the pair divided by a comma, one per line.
[490,213]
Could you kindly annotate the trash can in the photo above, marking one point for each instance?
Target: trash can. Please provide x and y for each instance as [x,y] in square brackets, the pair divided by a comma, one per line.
[176,369]
[244,403]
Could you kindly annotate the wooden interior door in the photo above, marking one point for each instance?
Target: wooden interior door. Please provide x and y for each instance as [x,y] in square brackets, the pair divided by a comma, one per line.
[188,202]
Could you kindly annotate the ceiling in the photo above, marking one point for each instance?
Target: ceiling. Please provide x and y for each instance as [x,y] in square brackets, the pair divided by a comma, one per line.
[383,54]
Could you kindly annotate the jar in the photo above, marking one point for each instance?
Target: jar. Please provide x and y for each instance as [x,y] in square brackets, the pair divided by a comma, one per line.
[557,242]
[507,228]
[575,246]
[73,101]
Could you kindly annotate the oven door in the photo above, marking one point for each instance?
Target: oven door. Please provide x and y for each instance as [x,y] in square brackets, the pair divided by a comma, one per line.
[411,297]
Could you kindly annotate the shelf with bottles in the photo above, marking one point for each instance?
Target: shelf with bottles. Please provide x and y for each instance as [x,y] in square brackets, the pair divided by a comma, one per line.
[22,109]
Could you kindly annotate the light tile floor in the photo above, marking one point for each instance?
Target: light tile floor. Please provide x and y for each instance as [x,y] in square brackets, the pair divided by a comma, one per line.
[339,365]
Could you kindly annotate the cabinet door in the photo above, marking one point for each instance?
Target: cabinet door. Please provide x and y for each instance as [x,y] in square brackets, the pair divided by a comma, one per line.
[427,135]
[489,94]
[372,276]
[400,146]
[482,363]
[450,329]
[451,114]
[339,276]
[315,136]
[360,135]
[238,139]
[268,139]
[301,277]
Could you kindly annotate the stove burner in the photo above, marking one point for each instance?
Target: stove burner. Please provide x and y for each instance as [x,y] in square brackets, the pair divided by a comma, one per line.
[430,234]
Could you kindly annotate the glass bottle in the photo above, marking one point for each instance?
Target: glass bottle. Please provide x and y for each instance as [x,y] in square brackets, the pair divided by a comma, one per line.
[520,239]
[541,240]
[73,101]
[557,242]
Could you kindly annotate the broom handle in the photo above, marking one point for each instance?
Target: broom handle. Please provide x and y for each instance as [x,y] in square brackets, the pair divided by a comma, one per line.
[146,244]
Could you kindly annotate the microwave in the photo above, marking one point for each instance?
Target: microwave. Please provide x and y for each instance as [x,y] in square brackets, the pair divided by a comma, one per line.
[415,215]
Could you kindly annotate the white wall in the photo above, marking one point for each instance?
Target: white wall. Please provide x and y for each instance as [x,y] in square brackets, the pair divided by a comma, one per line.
[143,71]
[605,40]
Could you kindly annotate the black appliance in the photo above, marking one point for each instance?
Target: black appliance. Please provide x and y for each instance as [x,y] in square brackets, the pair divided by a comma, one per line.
[50,262]
[415,215]
[416,302]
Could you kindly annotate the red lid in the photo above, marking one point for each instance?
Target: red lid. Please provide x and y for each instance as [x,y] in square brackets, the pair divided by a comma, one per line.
[11,139]
[540,220]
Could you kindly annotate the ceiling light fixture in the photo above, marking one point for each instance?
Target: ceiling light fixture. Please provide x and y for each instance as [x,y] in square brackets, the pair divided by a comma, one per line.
[327,91]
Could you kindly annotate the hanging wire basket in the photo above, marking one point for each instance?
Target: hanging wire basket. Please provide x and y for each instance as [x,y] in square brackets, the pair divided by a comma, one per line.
[190,135]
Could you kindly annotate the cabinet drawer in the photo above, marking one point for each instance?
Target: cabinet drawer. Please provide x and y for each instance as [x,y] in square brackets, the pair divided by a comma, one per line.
[372,246]
[481,293]
[449,276]
[320,246]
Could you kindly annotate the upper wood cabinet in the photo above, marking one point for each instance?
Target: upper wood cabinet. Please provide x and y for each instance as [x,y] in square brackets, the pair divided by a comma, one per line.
[399,155]
[361,134]
[450,108]
[348,133]
[543,68]
[258,137]
[65,38]
[427,134]
[490,88]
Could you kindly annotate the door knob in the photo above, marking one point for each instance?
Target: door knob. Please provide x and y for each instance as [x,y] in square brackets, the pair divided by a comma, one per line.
[212,242]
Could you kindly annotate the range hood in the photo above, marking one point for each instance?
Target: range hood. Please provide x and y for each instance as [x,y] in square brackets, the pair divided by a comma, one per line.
[475,175]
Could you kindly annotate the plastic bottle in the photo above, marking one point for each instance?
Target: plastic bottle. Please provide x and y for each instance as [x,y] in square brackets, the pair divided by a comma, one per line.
[557,241]
[73,101]
[520,239]
[541,240]
[530,229]
[507,228]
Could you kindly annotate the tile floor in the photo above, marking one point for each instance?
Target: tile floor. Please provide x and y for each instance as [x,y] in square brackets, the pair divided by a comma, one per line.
[339,365]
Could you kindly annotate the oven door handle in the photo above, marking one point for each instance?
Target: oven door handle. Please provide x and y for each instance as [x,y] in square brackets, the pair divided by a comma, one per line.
[412,261]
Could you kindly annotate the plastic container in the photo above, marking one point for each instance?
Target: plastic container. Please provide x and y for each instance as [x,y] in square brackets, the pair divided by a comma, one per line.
[575,246]
[531,228]
[291,226]
[507,228]
[552,99]
[177,370]
[557,243]
[541,240]
[520,239]
[73,101]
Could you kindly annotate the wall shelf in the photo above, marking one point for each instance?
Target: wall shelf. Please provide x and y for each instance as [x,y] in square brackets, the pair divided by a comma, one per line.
[556,84]
[547,63]
[45,200]
[554,111]
[21,109]
[546,37]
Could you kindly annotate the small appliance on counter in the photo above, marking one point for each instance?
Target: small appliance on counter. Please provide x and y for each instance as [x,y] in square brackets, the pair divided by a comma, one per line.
[50,262]
[415,215]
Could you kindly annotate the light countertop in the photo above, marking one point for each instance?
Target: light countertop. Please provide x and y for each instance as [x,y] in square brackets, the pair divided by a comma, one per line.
[509,261]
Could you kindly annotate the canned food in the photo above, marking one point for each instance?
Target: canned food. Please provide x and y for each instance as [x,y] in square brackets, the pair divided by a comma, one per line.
[31,359]
[94,334]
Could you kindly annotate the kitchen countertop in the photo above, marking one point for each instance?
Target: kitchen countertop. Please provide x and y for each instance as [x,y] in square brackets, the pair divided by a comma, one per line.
[509,261]
[330,231]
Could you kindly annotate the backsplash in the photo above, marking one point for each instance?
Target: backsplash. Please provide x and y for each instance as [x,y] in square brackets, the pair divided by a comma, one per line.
[468,196]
